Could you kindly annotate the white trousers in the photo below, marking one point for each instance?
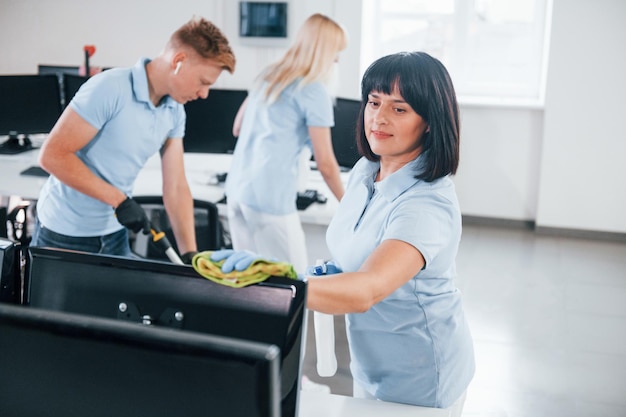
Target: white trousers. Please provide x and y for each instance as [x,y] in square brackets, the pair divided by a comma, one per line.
[271,236]
[455,410]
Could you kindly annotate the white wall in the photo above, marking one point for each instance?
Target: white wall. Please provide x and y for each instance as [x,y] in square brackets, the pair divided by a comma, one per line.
[499,169]
[583,174]
[560,166]
[54,32]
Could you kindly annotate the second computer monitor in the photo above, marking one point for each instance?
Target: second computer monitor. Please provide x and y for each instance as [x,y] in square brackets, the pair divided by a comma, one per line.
[209,127]
[344,132]
[71,85]
[30,103]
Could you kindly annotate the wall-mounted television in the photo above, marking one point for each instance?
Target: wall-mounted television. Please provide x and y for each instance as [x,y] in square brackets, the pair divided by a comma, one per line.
[262,19]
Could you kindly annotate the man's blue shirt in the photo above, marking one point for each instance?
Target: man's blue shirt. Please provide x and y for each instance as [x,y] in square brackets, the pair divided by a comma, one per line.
[130,130]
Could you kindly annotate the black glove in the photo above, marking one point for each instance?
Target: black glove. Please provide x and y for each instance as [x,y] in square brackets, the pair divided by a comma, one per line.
[131,215]
[187,257]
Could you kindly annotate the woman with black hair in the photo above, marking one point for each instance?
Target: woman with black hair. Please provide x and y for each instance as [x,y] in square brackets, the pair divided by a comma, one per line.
[394,240]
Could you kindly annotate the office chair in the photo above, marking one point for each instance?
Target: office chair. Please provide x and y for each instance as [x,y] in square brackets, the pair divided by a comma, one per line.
[209,230]
[4,232]
[19,221]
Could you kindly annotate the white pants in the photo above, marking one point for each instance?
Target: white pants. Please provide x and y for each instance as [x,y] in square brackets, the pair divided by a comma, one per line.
[271,236]
[455,410]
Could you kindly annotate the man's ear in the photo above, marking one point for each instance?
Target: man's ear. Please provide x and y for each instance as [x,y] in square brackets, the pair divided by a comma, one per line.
[177,61]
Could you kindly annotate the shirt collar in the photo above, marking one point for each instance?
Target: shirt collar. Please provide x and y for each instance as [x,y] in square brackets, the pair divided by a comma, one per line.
[140,85]
[398,182]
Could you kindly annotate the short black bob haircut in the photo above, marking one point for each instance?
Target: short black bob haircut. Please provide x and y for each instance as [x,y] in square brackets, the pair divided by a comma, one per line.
[426,86]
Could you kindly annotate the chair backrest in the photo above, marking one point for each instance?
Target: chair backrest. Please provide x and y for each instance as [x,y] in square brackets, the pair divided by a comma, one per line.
[209,231]
[10,271]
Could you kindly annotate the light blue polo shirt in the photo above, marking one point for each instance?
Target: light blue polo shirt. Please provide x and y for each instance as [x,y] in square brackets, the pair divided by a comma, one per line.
[130,130]
[264,168]
[414,346]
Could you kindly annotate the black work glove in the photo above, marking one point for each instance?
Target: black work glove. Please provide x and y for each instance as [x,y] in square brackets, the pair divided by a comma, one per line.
[131,215]
[187,257]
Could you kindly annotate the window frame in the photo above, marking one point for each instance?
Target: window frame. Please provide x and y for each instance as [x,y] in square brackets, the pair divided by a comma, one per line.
[460,47]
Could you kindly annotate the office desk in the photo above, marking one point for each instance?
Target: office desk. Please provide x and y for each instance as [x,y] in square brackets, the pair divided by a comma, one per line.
[200,169]
[12,183]
[316,404]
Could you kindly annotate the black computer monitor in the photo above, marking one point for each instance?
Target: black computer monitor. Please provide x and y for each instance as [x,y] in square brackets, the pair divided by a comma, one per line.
[59,364]
[209,127]
[30,104]
[71,84]
[164,294]
[66,74]
[344,132]
[57,69]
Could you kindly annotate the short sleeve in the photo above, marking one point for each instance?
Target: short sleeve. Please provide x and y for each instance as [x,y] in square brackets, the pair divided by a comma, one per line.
[97,100]
[178,131]
[317,106]
[423,223]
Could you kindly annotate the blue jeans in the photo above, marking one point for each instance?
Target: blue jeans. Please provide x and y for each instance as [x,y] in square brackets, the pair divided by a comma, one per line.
[112,244]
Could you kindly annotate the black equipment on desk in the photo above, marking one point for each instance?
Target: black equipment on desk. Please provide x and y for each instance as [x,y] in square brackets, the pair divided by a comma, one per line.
[164,294]
[30,104]
[59,364]
[35,171]
[305,198]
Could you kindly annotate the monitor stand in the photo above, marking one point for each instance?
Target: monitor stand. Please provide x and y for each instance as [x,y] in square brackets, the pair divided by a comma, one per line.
[14,145]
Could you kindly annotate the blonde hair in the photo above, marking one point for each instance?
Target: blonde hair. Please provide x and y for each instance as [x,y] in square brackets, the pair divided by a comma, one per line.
[310,57]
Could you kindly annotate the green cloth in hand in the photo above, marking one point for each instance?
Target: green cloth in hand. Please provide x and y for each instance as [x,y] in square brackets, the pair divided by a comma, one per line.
[258,271]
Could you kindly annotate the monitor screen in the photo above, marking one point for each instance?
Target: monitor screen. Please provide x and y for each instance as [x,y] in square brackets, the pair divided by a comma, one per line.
[209,127]
[71,84]
[30,104]
[164,294]
[344,132]
[263,19]
[59,364]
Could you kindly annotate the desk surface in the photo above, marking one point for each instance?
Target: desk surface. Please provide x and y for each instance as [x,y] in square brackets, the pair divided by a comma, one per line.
[316,404]
[12,183]
[201,171]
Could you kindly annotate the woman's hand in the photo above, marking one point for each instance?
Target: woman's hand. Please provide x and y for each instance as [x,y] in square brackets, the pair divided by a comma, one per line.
[234,260]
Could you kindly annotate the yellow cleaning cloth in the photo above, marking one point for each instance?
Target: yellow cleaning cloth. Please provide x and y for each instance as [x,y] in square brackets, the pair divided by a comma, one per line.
[258,271]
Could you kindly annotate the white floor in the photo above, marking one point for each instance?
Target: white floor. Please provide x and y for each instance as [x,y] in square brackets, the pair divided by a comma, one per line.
[548,315]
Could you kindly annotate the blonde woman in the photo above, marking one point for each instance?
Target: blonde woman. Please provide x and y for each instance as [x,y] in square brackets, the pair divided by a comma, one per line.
[289,110]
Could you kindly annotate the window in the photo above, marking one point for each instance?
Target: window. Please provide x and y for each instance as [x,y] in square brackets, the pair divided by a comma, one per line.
[495,50]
